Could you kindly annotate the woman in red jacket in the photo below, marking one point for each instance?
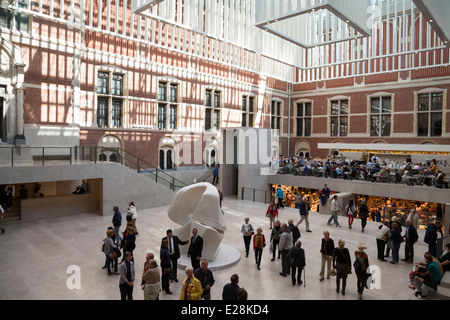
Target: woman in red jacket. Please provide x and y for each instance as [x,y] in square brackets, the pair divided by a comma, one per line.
[272,212]
[259,242]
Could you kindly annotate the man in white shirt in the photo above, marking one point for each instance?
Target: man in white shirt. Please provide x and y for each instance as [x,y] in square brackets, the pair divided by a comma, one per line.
[334,212]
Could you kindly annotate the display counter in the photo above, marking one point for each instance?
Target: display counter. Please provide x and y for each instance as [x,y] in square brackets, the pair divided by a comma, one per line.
[60,205]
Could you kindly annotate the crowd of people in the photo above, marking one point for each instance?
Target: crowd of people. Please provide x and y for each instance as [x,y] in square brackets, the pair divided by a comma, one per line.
[373,170]
[156,277]
[284,244]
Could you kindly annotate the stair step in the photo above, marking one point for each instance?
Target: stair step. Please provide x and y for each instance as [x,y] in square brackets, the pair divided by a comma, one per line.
[445,281]
[442,293]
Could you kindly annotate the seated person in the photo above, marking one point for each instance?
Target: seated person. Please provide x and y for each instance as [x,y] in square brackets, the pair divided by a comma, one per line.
[81,189]
[424,281]
[37,192]
[444,259]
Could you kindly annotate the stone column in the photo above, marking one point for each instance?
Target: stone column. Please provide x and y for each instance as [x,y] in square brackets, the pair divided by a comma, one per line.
[20,137]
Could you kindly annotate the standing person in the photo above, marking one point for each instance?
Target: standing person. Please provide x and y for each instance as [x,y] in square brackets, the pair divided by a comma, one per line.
[396,238]
[131,211]
[259,242]
[195,249]
[2,217]
[295,232]
[411,238]
[230,289]
[361,265]
[23,192]
[304,213]
[334,212]
[206,278]
[272,213]
[324,194]
[343,265]
[327,251]
[363,214]
[280,196]
[111,256]
[350,210]
[192,287]
[151,278]
[382,238]
[285,248]
[247,231]
[431,236]
[215,175]
[166,266]
[117,222]
[275,239]
[174,250]
[128,243]
[297,254]
[9,193]
[127,274]
[297,200]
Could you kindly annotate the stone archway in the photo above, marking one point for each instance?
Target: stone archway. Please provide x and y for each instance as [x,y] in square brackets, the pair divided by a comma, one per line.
[110,147]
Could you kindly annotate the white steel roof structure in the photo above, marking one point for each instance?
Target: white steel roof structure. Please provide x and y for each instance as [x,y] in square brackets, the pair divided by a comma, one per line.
[297,41]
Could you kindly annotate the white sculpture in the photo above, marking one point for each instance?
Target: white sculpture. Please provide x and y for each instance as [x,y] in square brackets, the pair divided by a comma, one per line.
[198,206]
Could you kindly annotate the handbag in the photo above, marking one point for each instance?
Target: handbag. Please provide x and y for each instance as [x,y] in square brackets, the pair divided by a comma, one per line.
[390,244]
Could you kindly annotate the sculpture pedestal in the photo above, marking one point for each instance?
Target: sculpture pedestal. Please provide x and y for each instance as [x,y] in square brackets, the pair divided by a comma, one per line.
[226,257]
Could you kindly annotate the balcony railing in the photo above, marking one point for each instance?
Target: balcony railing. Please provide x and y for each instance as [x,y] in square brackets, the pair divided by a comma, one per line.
[43,156]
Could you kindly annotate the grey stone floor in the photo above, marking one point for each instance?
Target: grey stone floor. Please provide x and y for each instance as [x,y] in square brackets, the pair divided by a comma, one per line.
[35,258]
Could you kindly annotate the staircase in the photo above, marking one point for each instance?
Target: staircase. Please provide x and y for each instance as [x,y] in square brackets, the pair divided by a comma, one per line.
[206,177]
[443,291]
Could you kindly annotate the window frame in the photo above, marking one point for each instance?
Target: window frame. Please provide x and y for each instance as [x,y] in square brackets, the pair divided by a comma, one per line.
[380,114]
[248,116]
[213,109]
[108,90]
[170,101]
[429,113]
[339,116]
[303,118]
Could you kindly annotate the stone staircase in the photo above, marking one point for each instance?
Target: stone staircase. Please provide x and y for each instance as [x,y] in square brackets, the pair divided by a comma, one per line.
[443,291]
[206,177]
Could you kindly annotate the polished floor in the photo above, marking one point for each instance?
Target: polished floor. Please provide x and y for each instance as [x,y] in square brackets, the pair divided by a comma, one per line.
[36,258]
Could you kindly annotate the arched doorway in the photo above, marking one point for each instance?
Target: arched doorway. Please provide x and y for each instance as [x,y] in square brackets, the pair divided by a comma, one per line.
[109,148]
[167,155]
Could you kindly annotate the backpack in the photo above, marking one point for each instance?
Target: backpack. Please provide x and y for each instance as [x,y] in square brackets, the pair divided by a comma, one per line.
[358,264]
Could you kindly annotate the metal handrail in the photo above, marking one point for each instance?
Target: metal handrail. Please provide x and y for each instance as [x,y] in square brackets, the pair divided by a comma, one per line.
[254,193]
[79,153]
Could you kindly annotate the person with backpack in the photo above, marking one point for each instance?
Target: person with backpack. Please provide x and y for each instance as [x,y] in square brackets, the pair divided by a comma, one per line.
[411,238]
[361,265]
[363,214]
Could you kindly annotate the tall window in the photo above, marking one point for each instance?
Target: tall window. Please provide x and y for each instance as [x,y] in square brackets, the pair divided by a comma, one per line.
[380,117]
[339,118]
[275,113]
[248,111]
[167,105]
[430,115]
[212,109]
[109,99]
[17,20]
[303,119]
